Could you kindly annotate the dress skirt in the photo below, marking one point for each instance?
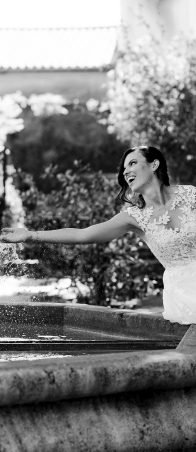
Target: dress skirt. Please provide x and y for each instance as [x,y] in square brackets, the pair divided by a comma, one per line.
[179,293]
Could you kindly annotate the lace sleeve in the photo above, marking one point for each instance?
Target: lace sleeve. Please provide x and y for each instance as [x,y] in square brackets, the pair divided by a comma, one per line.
[191,195]
[137,214]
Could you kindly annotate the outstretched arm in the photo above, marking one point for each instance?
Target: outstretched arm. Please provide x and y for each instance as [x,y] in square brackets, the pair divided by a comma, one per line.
[98,233]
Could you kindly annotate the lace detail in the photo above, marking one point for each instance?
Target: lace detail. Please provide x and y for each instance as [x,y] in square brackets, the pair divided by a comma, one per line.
[139,216]
[186,193]
[172,239]
[175,244]
[183,193]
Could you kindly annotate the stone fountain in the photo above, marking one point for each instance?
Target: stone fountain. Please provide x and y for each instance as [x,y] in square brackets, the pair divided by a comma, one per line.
[124,388]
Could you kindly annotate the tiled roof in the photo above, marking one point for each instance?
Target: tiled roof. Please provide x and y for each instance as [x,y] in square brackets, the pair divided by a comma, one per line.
[57,48]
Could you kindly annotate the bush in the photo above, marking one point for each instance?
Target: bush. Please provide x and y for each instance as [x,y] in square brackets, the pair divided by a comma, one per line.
[60,139]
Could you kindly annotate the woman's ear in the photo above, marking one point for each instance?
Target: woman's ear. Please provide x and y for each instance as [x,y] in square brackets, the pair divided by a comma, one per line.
[155,164]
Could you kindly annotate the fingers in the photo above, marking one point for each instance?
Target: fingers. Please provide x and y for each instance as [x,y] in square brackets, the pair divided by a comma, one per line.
[6,235]
[4,239]
[7,239]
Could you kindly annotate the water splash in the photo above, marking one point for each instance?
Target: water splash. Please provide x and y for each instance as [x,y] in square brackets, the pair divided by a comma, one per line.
[9,253]
[14,201]
[16,278]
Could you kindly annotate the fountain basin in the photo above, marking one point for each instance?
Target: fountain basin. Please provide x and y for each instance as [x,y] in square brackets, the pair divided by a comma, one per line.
[124,401]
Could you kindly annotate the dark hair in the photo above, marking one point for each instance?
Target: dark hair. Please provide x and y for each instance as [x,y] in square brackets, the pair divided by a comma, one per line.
[150,153]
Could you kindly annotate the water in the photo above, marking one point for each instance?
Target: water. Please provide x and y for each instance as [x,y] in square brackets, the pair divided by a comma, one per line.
[28,333]
[18,356]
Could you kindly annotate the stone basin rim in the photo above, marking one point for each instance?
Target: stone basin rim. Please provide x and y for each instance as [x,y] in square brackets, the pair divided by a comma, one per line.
[97,318]
[54,379]
[24,382]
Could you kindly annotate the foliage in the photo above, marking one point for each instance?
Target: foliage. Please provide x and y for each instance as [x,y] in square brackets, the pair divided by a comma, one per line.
[153,100]
[55,137]
[114,270]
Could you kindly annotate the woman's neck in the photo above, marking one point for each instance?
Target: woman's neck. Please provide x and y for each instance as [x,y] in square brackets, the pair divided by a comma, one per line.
[157,196]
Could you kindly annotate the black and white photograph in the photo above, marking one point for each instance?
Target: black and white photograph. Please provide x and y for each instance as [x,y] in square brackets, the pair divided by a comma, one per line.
[97,225]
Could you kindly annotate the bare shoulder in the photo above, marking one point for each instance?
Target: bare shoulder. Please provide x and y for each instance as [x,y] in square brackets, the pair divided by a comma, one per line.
[127,218]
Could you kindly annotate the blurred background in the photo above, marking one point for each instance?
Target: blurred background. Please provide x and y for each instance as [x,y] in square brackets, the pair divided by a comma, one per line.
[79,82]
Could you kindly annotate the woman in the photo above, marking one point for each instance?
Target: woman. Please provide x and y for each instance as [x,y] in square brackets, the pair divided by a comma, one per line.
[163,215]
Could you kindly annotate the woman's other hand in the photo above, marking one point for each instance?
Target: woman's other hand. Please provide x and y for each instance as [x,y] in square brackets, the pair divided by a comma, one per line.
[14,235]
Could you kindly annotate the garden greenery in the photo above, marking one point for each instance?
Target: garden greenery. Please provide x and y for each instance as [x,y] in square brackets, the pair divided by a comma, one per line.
[152,94]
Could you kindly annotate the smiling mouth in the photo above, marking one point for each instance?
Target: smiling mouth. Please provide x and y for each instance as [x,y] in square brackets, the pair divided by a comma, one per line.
[130,180]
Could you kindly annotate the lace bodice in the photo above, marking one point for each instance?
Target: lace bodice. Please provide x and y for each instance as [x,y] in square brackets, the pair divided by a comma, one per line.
[172,235]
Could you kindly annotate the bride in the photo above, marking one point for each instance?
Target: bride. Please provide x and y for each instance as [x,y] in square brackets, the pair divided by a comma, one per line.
[163,215]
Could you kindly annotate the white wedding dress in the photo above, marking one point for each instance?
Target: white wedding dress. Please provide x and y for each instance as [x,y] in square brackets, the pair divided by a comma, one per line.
[172,239]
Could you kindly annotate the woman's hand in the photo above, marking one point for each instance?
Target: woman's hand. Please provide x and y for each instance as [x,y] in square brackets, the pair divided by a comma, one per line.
[14,235]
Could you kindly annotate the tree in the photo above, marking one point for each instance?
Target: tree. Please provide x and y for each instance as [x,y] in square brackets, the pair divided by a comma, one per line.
[59,139]
[153,100]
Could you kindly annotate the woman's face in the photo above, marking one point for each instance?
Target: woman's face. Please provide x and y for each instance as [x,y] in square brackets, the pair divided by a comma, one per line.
[137,167]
